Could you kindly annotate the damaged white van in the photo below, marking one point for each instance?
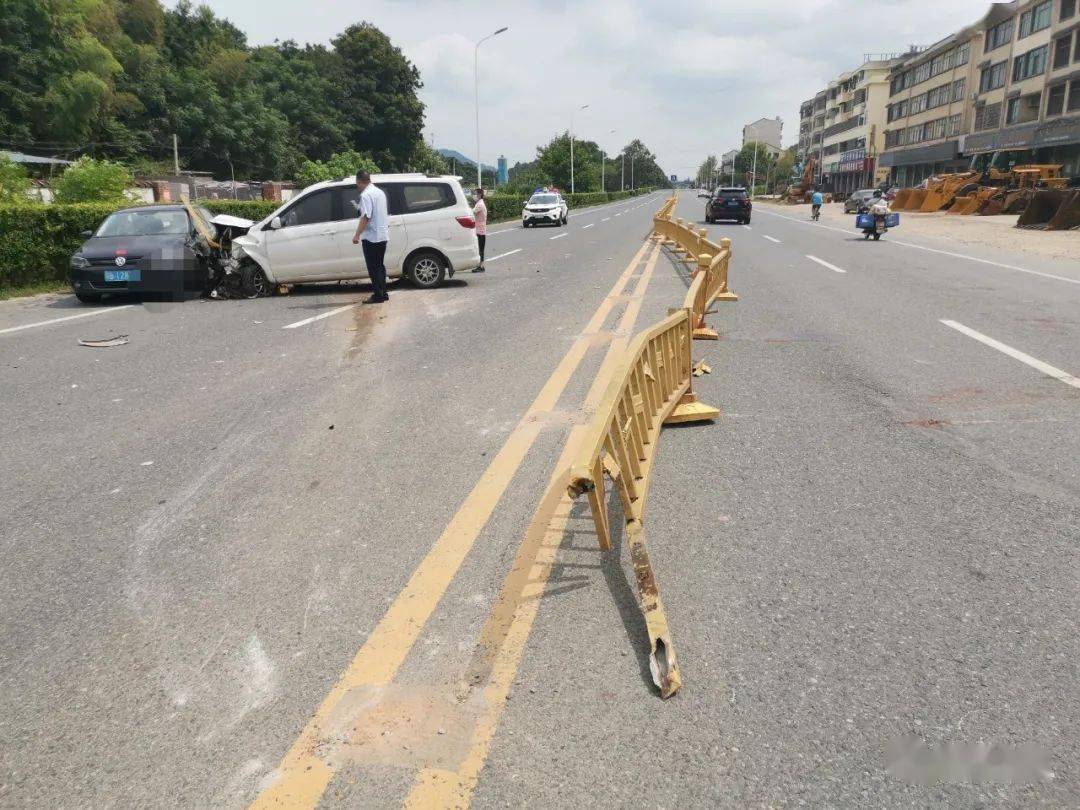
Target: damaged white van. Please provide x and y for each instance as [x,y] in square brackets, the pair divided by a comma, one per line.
[309,238]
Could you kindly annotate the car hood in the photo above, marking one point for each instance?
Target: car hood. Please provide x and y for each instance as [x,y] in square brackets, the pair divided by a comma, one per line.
[109,246]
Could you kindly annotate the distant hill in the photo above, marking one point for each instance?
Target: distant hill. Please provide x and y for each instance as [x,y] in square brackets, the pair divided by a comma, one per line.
[461,159]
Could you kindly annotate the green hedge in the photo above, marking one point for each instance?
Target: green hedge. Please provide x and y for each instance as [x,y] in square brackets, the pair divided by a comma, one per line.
[255,210]
[508,206]
[36,241]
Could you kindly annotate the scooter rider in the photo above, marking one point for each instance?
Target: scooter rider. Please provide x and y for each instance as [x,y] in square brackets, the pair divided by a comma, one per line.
[816,202]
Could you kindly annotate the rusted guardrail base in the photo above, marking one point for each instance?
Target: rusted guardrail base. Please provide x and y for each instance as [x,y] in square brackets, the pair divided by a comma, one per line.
[662,662]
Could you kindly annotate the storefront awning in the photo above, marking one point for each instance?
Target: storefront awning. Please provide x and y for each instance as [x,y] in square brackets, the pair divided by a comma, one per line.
[1059,132]
[999,140]
[935,153]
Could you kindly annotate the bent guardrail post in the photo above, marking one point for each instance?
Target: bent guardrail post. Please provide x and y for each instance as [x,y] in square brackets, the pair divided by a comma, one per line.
[708,286]
[651,387]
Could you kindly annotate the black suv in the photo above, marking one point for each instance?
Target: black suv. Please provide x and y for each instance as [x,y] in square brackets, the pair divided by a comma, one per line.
[729,203]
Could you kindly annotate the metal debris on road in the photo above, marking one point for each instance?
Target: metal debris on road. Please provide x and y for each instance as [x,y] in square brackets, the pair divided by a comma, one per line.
[104,343]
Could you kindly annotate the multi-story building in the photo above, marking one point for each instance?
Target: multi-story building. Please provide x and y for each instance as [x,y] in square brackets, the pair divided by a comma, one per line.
[1027,102]
[930,108]
[1006,86]
[811,127]
[727,164]
[766,131]
[854,133]
[843,126]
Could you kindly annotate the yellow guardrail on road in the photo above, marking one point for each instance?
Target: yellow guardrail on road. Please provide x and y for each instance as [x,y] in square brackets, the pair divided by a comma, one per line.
[650,387]
[710,279]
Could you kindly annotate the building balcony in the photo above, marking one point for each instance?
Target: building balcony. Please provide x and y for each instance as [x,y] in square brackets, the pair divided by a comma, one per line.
[844,126]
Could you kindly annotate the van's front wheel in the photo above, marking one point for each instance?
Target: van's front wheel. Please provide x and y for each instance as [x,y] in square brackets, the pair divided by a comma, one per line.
[425,270]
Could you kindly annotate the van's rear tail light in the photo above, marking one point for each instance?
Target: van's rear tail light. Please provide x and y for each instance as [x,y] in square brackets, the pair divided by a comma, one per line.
[466,222]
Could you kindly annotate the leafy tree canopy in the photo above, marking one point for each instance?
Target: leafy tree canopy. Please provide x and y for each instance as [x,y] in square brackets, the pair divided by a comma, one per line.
[89,180]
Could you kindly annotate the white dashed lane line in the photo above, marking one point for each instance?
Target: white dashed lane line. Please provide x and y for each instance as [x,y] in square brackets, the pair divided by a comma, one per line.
[892,241]
[314,318]
[1016,354]
[103,311]
[560,236]
[824,263]
[773,239]
[583,227]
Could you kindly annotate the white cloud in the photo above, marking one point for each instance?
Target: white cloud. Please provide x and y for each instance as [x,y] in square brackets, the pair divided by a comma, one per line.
[682,76]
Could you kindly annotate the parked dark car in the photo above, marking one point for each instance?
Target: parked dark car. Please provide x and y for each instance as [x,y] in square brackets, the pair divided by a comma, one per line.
[148,252]
[729,203]
[860,201]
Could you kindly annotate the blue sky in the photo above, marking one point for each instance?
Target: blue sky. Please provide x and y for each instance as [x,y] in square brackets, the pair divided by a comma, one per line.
[684,77]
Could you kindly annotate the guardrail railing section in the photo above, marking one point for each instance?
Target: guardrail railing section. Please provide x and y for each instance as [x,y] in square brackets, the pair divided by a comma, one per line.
[650,388]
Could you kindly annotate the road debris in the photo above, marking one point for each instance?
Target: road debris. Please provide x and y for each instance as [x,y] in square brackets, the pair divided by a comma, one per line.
[104,343]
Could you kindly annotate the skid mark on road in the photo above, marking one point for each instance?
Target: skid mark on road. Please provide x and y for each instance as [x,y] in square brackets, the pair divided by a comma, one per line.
[307,768]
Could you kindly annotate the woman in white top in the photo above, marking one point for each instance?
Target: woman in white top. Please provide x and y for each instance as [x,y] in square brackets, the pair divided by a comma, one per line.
[480,215]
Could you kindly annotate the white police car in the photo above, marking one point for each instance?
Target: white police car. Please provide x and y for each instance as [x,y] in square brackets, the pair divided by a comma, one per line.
[545,207]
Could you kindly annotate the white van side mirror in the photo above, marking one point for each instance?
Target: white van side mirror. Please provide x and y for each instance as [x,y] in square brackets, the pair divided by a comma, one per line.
[275,223]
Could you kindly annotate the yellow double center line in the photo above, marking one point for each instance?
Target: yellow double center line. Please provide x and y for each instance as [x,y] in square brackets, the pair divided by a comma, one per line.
[502,641]
[303,775]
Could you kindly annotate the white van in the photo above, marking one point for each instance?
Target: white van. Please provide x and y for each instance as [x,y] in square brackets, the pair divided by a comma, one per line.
[309,238]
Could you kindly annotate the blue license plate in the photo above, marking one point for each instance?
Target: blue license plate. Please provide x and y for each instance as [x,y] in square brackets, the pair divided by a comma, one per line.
[121,275]
[732,203]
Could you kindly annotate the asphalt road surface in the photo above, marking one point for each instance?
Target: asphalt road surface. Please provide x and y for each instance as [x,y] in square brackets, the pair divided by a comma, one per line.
[277,548]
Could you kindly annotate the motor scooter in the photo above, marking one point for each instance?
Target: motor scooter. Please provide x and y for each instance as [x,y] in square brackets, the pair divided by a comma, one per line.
[876,225]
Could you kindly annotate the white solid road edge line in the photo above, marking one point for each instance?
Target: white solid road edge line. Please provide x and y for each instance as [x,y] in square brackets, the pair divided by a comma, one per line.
[934,250]
[1016,354]
[504,255]
[772,239]
[314,318]
[824,263]
[103,311]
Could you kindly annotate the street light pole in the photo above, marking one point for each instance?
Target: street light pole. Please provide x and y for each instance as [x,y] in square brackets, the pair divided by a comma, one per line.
[753,172]
[603,167]
[582,107]
[476,88]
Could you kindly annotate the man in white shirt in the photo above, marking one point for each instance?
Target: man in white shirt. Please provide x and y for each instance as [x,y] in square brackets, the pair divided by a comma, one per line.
[372,234]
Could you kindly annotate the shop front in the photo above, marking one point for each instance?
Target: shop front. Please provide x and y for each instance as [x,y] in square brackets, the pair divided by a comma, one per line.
[910,167]
[1048,143]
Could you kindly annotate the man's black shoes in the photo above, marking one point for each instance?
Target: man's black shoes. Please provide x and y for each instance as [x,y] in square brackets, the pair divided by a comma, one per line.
[375,299]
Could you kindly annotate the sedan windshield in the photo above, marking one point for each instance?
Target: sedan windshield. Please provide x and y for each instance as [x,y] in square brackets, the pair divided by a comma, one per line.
[145,223]
[544,199]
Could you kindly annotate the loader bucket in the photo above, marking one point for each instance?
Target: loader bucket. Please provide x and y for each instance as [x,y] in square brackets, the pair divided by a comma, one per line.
[964,205]
[1017,200]
[1041,209]
[1068,215]
[915,201]
[994,206]
[933,201]
[899,203]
